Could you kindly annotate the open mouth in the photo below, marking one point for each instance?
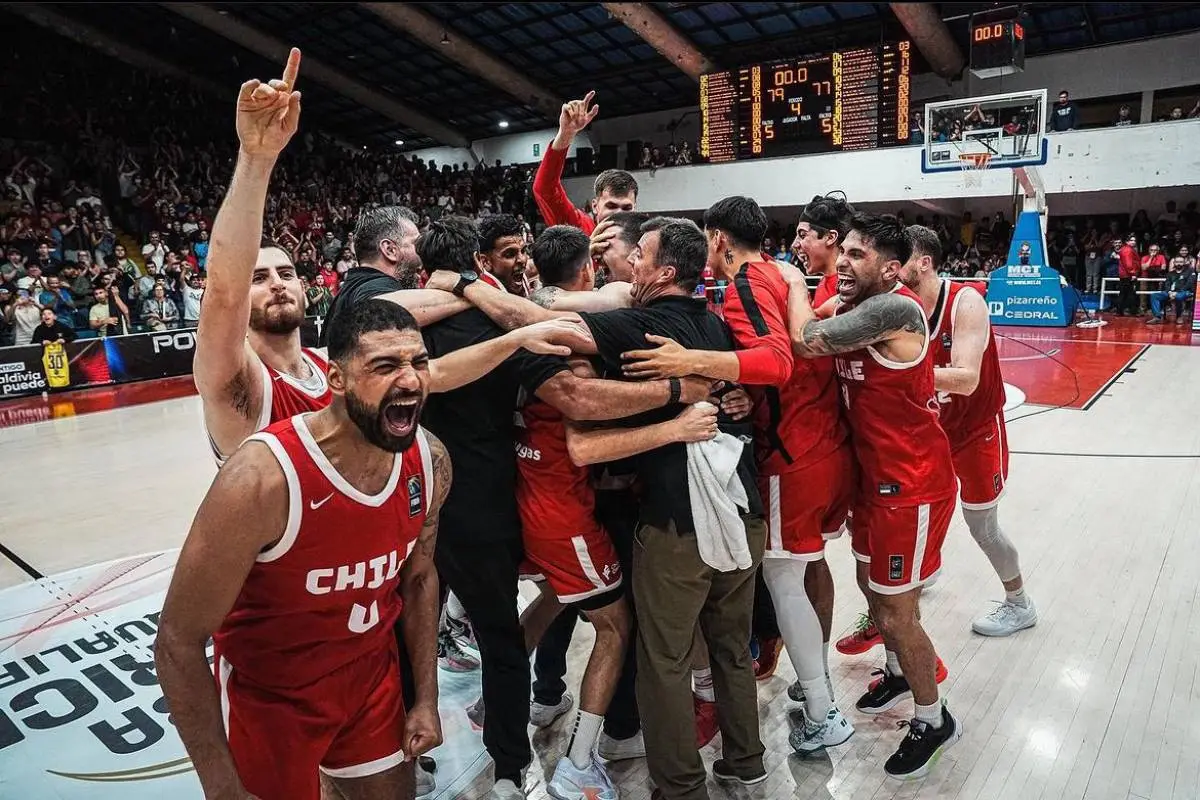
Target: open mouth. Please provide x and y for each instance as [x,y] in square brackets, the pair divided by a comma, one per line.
[400,416]
[845,284]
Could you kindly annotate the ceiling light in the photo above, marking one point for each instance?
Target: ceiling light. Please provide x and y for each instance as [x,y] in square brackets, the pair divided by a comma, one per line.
[503,123]
[445,38]
[399,142]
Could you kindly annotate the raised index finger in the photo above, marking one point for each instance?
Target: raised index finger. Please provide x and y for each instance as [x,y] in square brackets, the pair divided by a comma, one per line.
[292,69]
[587,98]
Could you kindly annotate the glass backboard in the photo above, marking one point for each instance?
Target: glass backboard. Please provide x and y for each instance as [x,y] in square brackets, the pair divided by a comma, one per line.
[1003,130]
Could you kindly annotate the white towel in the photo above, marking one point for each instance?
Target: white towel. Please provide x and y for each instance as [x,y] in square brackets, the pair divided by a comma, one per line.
[718,500]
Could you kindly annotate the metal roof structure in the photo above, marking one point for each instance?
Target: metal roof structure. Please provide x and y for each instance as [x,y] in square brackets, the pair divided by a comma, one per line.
[565,49]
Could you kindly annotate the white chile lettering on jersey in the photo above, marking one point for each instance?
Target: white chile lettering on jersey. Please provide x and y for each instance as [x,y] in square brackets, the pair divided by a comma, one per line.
[348,579]
[354,576]
[313,582]
[363,619]
[849,370]
[943,397]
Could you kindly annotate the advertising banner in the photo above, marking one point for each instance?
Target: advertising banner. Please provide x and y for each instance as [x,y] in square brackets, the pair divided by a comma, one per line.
[33,369]
[1027,290]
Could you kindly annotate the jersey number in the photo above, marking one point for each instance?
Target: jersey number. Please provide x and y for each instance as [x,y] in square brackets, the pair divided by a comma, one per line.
[363,619]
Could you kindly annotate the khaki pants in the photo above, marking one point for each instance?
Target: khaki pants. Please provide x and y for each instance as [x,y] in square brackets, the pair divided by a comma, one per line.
[673,589]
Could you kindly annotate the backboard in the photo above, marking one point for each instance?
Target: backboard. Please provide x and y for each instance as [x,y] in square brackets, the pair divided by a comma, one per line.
[1002,130]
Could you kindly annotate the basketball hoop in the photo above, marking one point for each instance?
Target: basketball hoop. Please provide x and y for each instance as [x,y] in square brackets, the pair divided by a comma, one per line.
[973,166]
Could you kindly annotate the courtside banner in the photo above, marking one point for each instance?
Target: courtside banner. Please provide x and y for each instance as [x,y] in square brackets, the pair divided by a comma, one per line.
[33,369]
[81,711]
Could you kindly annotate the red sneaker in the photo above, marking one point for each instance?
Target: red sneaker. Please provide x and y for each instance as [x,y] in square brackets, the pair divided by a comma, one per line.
[768,658]
[706,721]
[865,636]
[941,675]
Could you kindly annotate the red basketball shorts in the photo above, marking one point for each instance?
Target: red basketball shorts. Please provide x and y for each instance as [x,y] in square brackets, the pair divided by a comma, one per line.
[981,463]
[808,505]
[575,567]
[903,544]
[349,724]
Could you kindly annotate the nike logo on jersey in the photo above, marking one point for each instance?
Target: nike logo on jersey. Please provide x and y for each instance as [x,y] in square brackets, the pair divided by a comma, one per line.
[315,504]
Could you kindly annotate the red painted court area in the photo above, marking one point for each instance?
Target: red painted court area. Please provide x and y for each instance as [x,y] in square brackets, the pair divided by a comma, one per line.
[1072,367]
[1069,367]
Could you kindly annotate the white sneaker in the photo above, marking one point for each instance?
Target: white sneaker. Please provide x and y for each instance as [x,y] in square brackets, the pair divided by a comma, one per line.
[541,716]
[572,783]
[612,749]
[813,737]
[1006,619]
[506,790]
[425,782]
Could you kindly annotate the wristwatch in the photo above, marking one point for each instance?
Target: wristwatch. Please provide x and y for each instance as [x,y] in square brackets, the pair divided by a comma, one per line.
[465,279]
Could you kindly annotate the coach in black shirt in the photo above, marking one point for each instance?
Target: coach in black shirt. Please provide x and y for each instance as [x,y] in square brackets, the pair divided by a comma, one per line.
[479,547]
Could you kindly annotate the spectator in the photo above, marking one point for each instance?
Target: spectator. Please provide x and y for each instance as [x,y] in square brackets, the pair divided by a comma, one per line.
[966,230]
[6,316]
[57,296]
[1130,266]
[1091,269]
[200,249]
[109,316]
[193,295]
[1124,117]
[27,314]
[1065,115]
[155,250]
[329,277]
[345,263]
[318,295]
[159,311]
[45,260]
[126,264]
[1179,288]
[51,330]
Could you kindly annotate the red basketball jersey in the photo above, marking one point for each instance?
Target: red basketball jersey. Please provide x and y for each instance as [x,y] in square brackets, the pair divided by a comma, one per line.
[964,416]
[903,453]
[798,423]
[326,593]
[826,289]
[553,495]
[284,396]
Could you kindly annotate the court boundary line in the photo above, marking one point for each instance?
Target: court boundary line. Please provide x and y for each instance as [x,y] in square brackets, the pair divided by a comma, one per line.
[21,563]
[1116,376]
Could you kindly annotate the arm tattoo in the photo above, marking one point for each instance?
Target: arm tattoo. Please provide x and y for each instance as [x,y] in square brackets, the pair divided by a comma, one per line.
[877,319]
[545,296]
[443,474]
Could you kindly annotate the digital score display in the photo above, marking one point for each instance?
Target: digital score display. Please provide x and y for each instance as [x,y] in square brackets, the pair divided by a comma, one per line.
[997,48]
[848,100]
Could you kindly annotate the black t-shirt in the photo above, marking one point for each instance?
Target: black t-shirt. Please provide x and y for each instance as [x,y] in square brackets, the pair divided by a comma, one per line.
[475,422]
[53,333]
[358,284]
[663,471]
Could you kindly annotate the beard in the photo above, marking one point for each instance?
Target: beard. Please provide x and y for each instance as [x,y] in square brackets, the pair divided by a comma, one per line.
[285,319]
[390,426]
[408,273]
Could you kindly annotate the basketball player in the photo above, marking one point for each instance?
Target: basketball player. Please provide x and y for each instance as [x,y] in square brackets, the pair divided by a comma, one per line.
[503,253]
[614,189]
[312,538]
[820,232]
[879,339]
[806,469]
[970,390]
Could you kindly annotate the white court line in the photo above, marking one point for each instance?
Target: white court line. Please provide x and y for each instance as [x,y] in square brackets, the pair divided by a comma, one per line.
[1032,356]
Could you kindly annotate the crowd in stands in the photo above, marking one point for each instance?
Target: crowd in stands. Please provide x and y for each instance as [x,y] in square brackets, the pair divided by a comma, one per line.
[673,155]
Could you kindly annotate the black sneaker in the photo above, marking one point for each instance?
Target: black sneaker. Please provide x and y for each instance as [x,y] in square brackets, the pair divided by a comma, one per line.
[922,747]
[723,772]
[884,692]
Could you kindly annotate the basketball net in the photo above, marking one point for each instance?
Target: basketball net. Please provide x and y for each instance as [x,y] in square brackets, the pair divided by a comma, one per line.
[973,166]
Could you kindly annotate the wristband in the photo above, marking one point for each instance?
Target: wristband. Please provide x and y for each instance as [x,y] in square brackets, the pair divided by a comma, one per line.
[676,390]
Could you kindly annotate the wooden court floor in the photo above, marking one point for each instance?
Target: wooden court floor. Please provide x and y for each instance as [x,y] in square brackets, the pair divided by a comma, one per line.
[1099,702]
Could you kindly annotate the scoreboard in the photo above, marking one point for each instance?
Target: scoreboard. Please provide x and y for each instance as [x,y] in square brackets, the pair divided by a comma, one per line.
[847,100]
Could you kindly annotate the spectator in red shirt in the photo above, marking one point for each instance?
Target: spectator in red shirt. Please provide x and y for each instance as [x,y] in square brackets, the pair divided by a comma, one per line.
[615,189]
[1130,267]
[329,275]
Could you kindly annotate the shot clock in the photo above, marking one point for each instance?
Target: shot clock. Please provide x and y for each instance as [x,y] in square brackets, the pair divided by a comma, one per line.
[997,47]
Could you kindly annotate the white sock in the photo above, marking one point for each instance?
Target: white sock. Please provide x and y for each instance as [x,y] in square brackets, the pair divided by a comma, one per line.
[931,714]
[702,684]
[893,662]
[583,740]
[817,701]
[1017,598]
[454,608]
